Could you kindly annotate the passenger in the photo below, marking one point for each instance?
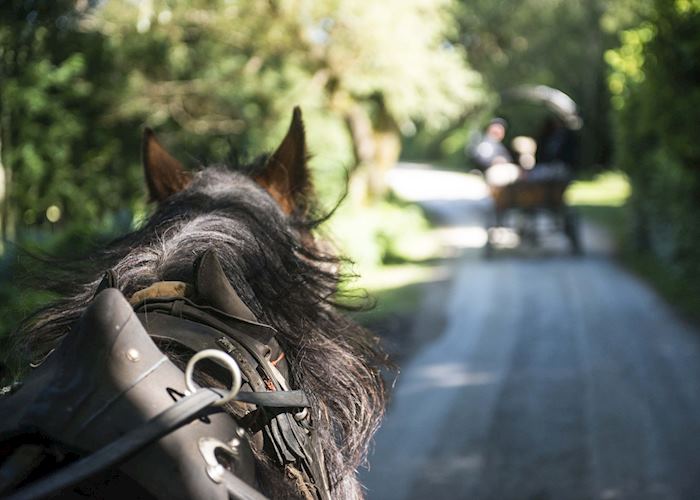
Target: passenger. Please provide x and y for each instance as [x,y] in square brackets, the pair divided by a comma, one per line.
[556,152]
[491,156]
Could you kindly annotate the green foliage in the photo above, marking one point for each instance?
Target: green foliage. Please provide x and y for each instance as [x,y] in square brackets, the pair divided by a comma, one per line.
[399,49]
[79,79]
[57,145]
[382,233]
[656,99]
[606,189]
[559,43]
[217,71]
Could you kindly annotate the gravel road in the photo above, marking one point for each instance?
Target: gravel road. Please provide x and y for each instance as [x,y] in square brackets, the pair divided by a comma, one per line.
[555,377]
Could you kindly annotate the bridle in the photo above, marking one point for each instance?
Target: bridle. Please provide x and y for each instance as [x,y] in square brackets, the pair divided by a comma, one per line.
[282,414]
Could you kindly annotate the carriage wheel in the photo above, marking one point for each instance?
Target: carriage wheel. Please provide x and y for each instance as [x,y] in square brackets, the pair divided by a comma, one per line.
[493,219]
[527,229]
[487,249]
[572,230]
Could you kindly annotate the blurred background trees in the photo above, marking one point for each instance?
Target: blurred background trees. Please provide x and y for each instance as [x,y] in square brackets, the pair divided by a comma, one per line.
[655,85]
[376,80]
[63,158]
[558,43]
[221,72]
[80,78]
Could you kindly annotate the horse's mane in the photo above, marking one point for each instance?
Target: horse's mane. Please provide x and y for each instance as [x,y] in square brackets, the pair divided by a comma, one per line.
[285,279]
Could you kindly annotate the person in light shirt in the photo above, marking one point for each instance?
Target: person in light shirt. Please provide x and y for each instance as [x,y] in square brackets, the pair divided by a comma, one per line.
[491,156]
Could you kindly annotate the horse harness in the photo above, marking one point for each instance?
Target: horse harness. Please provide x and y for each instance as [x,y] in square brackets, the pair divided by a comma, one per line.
[108,381]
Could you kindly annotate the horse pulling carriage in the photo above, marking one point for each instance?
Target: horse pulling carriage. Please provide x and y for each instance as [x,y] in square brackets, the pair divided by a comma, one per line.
[531,208]
[203,356]
[528,196]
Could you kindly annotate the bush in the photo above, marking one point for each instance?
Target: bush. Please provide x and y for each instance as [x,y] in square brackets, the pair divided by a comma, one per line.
[656,101]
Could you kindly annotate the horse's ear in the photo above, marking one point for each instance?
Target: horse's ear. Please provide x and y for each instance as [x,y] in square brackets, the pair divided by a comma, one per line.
[164,174]
[286,176]
[213,287]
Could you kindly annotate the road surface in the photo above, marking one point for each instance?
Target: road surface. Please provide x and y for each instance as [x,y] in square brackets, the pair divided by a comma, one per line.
[555,378]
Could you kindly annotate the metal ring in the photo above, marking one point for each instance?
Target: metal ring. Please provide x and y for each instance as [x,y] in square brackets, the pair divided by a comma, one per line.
[227,361]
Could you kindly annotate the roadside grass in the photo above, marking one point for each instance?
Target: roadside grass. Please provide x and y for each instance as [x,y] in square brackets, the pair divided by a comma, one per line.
[396,290]
[393,252]
[608,189]
[384,233]
[670,285]
[602,200]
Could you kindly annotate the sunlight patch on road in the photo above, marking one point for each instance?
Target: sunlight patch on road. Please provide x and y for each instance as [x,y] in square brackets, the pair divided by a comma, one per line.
[448,468]
[504,237]
[390,277]
[446,375]
[462,236]
[610,494]
[421,184]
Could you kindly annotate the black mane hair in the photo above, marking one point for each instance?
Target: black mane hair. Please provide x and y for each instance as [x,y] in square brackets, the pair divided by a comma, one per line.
[282,276]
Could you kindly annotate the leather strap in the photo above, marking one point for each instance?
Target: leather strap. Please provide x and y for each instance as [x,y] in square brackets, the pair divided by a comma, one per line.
[238,489]
[276,399]
[175,416]
[190,326]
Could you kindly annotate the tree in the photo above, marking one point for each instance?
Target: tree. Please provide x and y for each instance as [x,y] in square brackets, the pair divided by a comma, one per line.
[56,142]
[388,65]
[223,69]
[653,80]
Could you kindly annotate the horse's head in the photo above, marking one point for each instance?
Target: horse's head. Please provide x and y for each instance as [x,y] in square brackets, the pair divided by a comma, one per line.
[284,174]
[256,221]
[258,217]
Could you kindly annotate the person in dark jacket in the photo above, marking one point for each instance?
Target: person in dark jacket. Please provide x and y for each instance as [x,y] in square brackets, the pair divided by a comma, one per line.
[556,143]
[556,152]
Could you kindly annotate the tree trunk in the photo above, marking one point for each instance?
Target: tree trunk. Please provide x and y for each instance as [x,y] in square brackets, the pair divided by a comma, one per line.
[376,147]
[592,140]
[7,228]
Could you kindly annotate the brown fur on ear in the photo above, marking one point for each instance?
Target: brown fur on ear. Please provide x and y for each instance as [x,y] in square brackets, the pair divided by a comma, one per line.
[164,174]
[286,176]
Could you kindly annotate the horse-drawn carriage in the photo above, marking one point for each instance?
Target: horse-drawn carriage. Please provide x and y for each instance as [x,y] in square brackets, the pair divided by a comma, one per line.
[528,195]
[532,209]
